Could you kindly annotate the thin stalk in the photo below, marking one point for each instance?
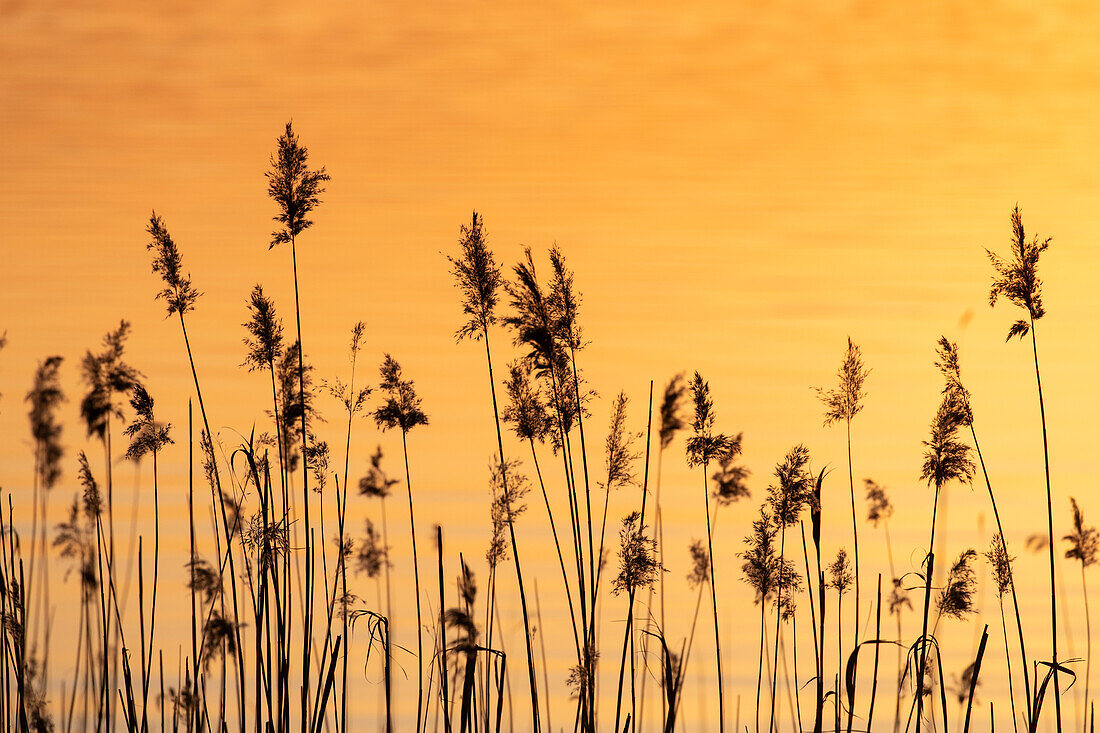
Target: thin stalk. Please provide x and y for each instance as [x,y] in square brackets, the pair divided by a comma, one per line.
[1012,581]
[760,663]
[714,603]
[927,601]
[878,636]
[855,553]
[442,631]
[307,633]
[839,659]
[974,678]
[1088,638]
[622,666]
[819,703]
[1050,536]
[542,649]
[1008,664]
[649,598]
[416,582]
[515,553]
[778,626]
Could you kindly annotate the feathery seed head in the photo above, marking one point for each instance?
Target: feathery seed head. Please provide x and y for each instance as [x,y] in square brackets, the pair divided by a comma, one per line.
[879,508]
[373,552]
[108,377]
[295,188]
[45,397]
[178,292]
[946,458]
[1017,277]
[619,446]
[700,564]
[671,420]
[846,401]
[957,597]
[794,487]
[376,482]
[840,572]
[266,330]
[1001,563]
[1084,541]
[479,278]
[145,433]
[730,480]
[401,408]
[526,410]
[638,564]
[704,446]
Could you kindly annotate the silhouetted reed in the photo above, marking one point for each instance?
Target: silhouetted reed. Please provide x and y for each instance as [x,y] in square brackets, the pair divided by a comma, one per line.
[400,410]
[791,492]
[544,322]
[478,277]
[45,398]
[272,607]
[843,403]
[1016,279]
[949,365]
[638,568]
[946,459]
[296,190]
[1001,564]
[703,447]
[148,437]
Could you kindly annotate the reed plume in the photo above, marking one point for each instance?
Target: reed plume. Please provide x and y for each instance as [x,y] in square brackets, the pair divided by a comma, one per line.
[178,294]
[526,410]
[957,596]
[478,278]
[730,480]
[45,398]
[294,187]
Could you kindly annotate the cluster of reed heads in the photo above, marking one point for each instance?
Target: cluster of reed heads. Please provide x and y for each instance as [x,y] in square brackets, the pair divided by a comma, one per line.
[274,609]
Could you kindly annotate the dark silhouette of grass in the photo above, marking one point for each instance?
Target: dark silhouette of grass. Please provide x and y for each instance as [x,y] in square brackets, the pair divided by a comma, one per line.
[274,612]
[1017,280]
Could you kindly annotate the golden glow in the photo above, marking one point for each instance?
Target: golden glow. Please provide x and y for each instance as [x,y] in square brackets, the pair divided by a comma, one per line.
[739,188]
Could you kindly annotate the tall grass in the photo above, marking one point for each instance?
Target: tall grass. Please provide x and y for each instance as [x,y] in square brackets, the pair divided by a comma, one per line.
[1016,279]
[279,630]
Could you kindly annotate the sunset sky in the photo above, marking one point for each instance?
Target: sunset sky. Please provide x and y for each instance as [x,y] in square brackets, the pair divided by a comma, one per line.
[738,187]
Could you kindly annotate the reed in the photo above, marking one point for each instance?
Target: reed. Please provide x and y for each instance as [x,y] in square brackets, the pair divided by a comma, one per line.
[703,447]
[1016,279]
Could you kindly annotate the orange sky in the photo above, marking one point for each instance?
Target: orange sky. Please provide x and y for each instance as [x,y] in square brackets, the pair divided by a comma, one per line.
[738,189]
